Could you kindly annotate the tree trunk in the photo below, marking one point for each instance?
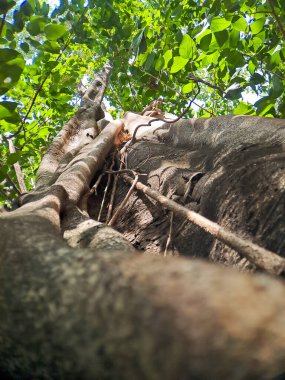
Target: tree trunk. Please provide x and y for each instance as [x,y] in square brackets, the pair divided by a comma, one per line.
[78,302]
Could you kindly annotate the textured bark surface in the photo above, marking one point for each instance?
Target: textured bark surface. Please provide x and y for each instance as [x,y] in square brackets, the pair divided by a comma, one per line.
[89,307]
[231,169]
[82,314]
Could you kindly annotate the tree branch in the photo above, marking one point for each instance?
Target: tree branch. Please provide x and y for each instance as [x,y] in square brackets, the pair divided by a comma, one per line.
[2,23]
[79,131]
[122,205]
[177,92]
[43,82]
[261,257]
[199,80]
[13,184]
[277,18]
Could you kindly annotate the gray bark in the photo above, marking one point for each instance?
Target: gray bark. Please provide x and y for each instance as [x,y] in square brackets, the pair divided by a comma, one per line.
[230,169]
[73,313]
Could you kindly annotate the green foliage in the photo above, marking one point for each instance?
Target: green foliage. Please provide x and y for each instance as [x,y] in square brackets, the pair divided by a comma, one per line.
[235,48]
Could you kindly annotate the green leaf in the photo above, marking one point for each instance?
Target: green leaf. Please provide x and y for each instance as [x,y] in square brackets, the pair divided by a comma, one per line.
[149,61]
[234,38]
[222,37]
[178,64]
[256,43]
[240,25]
[219,23]
[137,40]
[36,25]
[189,87]
[277,87]
[205,42]
[51,47]
[54,31]
[159,63]
[236,59]
[25,47]
[12,64]
[187,47]
[3,172]
[243,109]
[274,60]
[8,112]
[257,79]
[265,106]
[5,5]
[257,26]
[27,8]
[251,67]
[13,158]
[234,93]
[167,57]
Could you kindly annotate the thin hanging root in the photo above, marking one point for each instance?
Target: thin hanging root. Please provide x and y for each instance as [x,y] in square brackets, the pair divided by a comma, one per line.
[169,239]
[97,183]
[261,257]
[106,189]
[122,205]
[83,203]
[114,189]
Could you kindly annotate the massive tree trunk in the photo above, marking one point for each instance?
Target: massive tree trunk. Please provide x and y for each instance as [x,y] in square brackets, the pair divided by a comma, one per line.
[77,301]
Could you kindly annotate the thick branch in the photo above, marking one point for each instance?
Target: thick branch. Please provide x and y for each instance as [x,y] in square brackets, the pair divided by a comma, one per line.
[80,171]
[79,131]
[261,257]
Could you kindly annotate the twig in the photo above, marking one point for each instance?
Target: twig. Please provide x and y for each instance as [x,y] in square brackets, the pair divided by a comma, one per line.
[122,205]
[5,195]
[43,82]
[2,23]
[13,184]
[123,171]
[40,87]
[114,189]
[97,183]
[18,169]
[178,92]
[199,80]
[261,257]
[106,189]
[133,95]
[277,18]
[169,239]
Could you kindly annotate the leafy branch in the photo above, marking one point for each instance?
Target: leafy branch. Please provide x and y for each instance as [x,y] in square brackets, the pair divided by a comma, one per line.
[42,84]
[277,18]
[200,80]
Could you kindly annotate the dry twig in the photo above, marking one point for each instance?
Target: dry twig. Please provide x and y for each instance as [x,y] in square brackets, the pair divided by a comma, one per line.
[106,189]
[122,205]
[169,239]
